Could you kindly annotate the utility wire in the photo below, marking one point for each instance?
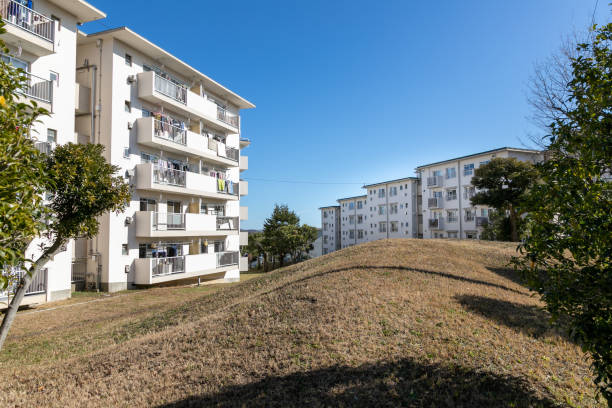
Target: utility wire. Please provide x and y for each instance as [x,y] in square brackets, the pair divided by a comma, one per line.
[299,181]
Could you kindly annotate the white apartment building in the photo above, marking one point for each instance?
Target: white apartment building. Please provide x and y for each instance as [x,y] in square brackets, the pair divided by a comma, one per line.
[446,190]
[176,136]
[42,38]
[330,229]
[353,220]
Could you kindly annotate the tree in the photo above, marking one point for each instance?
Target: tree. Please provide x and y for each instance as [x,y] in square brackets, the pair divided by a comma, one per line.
[503,183]
[80,186]
[568,245]
[255,248]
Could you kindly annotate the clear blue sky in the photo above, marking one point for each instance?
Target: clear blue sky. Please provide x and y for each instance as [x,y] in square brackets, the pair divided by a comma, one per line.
[357,91]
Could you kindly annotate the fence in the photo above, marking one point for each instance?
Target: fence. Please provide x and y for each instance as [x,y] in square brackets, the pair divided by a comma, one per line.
[38,285]
[167,266]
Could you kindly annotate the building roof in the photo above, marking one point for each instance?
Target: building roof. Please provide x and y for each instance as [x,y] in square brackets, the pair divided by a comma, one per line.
[516,149]
[329,206]
[352,198]
[83,11]
[390,181]
[166,59]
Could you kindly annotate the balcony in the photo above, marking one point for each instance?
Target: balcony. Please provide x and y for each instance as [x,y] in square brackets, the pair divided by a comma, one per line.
[44,147]
[160,135]
[244,187]
[39,90]
[244,238]
[151,224]
[244,264]
[28,29]
[150,176]
[436,223]
[469,217]
[150,271]
[435,181]
[244,163]
[435,202]
[482,221]
[162,91]
[244,213]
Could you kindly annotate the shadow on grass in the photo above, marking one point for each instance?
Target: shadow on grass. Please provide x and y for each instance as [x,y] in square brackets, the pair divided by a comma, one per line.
[508,273]
[530,320]
[385,384]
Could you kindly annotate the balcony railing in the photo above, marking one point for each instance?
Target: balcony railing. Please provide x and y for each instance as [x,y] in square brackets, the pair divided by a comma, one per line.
[171,89]
[227,223]
[44,147]
[435,202]
[38,284]
[168,221]
[230,152]
[435,181]
[167,266]
[482,221]
[227,258]
[451,197]
[435,223]
[233,154]
[27,19]
[173,177]
[38,88]
[469,217]
[165,130]
[227,187]
[224,116]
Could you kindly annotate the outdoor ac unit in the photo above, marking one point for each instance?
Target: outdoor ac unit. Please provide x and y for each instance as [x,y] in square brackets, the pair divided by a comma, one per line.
[64,248]
[130,125]
[131,79]
[127,268]
[128,220]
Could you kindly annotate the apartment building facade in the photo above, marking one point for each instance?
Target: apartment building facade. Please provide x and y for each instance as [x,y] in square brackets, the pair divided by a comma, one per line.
[330,229]
[176,136]
[353,219]
[446,190]
[41,37]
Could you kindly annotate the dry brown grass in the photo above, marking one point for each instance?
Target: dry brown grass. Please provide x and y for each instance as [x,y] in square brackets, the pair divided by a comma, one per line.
[389,323]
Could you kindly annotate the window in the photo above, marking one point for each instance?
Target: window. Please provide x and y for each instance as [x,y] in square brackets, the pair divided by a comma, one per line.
[219,246]
[451,195]
[325,239]
[359,205]
[351,219]
[128,60]
[482,163]
[469,214]
[324,214]
[324,226]
[468,169]
[394,226]
[381,193]
[124,249]
[204,247]
[126,152]
[484,212]
[468,192]
[382,227]
[452,234]
[147,204]
[437,173]
[392,191]
[128,106]
[54,76]
[451,172]
[360,219]
[393,208]
[51,135]
[351,234]
[382,209]
[360,234]
[451,216]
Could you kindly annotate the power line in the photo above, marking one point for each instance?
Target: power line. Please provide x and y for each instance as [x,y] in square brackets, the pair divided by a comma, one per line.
[300,181]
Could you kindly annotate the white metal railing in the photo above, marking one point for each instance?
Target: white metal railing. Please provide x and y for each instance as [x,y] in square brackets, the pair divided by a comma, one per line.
[469,217]
[38,284]
[170,89]
[165,130]
[451,197]
[164,175]
[232,153]
[168,221]
[227,223]
[44,147]
[27,19]
[227,258]
[224,116]
[167,266]
[482,221]
[434,202]
[452,219]
[38,88]
[78,270]
[435,181]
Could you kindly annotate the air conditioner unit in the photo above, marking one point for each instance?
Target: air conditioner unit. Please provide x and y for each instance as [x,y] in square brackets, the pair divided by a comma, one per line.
[128,220]
[127,268]
[131,79]
[130,125]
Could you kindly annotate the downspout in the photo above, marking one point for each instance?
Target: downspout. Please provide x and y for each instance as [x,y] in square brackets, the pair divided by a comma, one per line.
[387,206]
[460,194]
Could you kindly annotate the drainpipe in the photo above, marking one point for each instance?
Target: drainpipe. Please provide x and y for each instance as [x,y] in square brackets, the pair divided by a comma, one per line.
[387,206]
[460,195]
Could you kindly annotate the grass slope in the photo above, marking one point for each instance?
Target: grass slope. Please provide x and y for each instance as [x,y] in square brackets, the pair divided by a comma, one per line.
[388,323]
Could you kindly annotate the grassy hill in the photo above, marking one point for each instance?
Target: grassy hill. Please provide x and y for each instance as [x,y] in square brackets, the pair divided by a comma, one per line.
[388,323]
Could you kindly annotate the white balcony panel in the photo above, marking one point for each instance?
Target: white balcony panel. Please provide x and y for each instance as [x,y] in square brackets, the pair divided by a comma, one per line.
[193,266]
[179,141]
[150,224]
[244,187]
[244,264]
[185,183]
[191,105]
[244,238]
[244,213]
[244,163]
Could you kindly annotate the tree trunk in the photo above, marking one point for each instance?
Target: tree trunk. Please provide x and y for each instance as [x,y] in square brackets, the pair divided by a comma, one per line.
[513,230]
[23,286]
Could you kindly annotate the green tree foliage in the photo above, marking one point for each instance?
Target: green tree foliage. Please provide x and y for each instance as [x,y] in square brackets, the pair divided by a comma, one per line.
[568,245]
[503,183]
[255,248]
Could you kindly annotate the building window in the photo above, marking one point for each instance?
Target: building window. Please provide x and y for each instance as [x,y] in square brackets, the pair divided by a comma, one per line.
[451,216]
[392,191]
[471,235]
[128,60]
[128,106]
[58,22]
[325,239]
[437,173]
[351,219]
[147,204]
[451,172]
[352,205]
[51,135]
[484,212]
[382,209]
[126,152]
[451,195]
[360,219]
[468,192]
[468,169]
[351,234]
[54,76]
[324,214]
[360,234]
[394,226]
[382,227]
[393,208]
[482,163]
[359,205]
[381,193]
[124,249]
